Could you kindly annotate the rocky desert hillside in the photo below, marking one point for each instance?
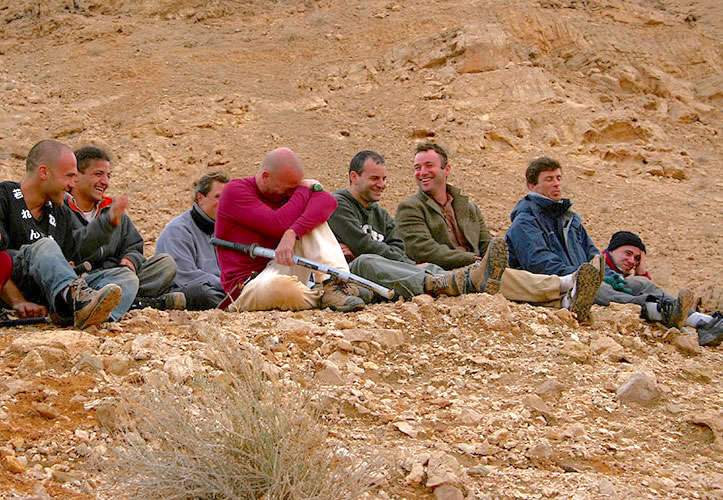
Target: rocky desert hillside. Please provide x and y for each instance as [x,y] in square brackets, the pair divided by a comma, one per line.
[469,397]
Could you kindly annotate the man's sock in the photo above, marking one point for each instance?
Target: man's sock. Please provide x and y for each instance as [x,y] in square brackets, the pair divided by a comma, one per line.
[566,283]
[695,318]
[652,311]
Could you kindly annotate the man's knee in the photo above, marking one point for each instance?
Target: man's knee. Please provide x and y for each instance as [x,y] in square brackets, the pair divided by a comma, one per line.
[362,263]
[276,292]
[41,247]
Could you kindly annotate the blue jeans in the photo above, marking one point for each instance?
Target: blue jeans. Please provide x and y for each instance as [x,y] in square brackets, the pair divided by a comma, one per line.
[42,272]
[125,278]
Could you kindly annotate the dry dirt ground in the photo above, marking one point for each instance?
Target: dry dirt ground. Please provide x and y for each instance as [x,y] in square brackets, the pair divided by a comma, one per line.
[468,396]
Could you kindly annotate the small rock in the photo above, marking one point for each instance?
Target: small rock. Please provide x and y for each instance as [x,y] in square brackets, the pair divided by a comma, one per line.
[550,386]
[330,374]
[111,416]
[415,476]
[638,388]
[687,344]
[606,488]
[535,403]
[469,417]
[64,477]
[478,470]
[31,364]
[448,492]
[117,365]
[89,363]
[715,423]
[180,368]
[542,451]
[12,464]
[577,351]
[344,345]
[46,411]
[608,349]
[442,469]
[407,428]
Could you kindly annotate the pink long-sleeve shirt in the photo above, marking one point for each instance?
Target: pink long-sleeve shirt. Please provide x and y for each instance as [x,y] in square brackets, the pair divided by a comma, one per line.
[245,216]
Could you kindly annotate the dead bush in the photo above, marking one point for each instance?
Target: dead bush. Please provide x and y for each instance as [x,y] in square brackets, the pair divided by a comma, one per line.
[241,434]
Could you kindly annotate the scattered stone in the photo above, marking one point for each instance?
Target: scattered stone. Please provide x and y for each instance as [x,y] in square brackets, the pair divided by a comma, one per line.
[714,421]
[478,470]
[577,351]
[541,451]
[469,417]
[535,403]
[407,428]
[12,464]
[71,341]
[607,348]
[180,368]
[330,374]
[64,477]
[111,416]
[448,492]
[31,364]
[45,410]
[638,388]
[606,488]
[712,298]
[117,365]
[687,344]
[550,386]
[89,363]
[442,469]
[415,476]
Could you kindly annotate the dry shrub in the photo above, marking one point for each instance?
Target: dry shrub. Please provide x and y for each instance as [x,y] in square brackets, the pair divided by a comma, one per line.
[240,435]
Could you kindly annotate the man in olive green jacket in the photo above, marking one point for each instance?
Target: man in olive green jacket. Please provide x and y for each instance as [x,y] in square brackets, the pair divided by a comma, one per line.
[442,226]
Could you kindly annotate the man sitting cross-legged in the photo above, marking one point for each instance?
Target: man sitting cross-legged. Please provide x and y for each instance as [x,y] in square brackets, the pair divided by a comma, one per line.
[37,231]
[279,208]
[187,239]
[367,235]
[441,225]
[124,251]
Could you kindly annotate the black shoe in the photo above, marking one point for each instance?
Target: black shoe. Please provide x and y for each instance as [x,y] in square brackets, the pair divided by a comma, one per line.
[167,301]
[711,333]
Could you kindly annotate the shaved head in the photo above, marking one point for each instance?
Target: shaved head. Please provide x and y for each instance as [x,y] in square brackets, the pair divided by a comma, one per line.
[280,173]
[281,159]
[46,152]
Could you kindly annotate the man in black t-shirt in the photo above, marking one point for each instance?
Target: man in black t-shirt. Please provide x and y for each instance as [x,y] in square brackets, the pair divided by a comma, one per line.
[37,231]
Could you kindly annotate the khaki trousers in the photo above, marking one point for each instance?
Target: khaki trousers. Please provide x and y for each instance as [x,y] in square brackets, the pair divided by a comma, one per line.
[524,286]
[284,287]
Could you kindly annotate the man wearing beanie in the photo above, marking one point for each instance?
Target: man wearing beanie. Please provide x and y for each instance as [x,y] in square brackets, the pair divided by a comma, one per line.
[627,279]
[546,236]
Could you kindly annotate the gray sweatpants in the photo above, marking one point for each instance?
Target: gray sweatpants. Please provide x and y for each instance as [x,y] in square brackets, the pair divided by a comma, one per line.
[641,287]
[407,280]
[156,275]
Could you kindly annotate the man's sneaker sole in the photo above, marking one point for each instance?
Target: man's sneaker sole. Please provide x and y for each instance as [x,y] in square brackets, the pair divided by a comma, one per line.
[108,298]
[587,283]
[497,259]
[686,299]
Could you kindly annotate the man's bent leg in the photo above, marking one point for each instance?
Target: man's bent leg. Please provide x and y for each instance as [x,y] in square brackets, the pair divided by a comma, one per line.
[156,275]
[125,278]
[524,286]
[407,280]
[202,296]
[276,288]
[320,245]
[47,267]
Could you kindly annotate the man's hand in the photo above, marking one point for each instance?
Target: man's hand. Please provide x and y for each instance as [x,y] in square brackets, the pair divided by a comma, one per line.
[285,248]
[30,310]
[118,209]
[423,264]
[347,252]
[308,182]
[642,268]
[128,263]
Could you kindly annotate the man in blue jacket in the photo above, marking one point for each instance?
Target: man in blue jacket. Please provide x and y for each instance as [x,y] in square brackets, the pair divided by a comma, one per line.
[546,236]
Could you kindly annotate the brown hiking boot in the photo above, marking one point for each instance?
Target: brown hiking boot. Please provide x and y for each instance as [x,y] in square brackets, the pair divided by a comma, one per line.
[582,295]
[341,296]
[487,275]
[675,312]
[90,306]
[451,283]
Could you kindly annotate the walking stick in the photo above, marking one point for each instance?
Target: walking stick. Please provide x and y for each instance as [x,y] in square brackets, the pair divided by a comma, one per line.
[255,250]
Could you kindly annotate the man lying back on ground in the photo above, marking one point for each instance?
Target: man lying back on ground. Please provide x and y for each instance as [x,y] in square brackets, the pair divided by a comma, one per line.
[187,239]
[37,230]
[278,208]
[441,225]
